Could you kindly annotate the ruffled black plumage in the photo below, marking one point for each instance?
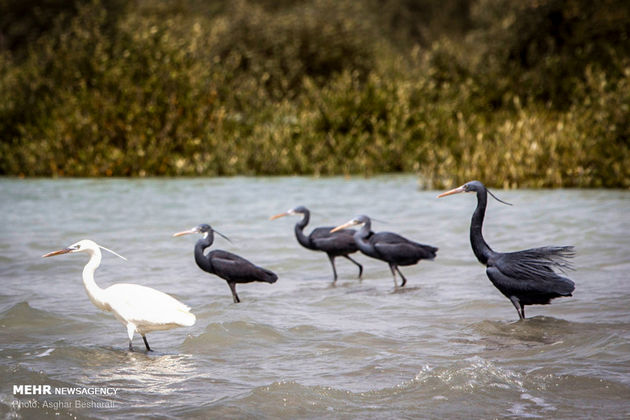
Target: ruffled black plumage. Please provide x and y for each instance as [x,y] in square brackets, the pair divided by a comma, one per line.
[525,277]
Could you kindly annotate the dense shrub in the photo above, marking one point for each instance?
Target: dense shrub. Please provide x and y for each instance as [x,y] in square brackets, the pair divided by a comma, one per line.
[515,93]
[542,48]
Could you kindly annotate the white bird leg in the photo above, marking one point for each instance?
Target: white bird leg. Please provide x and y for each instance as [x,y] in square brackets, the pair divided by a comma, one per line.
[391,267]
[130,330]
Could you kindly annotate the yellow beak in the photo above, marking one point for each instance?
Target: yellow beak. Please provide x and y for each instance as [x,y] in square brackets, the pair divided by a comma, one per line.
[453,191]
[184,232]
[61,251]
[277,216]
[345,225]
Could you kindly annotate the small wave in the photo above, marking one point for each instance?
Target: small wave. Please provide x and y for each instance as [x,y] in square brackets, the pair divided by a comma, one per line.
[25,324]
[560,339]
[285,399]
[471,375]
[225,334]
[533,332]
[23,315]
[434,392]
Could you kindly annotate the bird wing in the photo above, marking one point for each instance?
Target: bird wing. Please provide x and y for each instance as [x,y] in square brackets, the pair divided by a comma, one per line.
[231,267]
[227,256]
[342,240]
[388,238]
[532,270]
[536,261]
[143,305]
[394,246]
[510,286]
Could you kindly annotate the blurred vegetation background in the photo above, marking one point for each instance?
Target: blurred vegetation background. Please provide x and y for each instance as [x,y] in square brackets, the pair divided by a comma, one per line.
[514,93]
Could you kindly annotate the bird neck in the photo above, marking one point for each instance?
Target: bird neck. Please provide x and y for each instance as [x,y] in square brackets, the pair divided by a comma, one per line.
[365,231]
[94,292]
[361,236]
[306,217]
[200,246]
[481,249]
[299,231]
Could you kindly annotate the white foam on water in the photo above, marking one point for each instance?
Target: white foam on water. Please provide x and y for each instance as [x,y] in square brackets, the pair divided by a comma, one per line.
[520,410]
[538,401]
[45,353]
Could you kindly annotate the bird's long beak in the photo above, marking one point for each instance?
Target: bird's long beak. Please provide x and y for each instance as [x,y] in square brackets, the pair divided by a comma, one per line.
[453,191]
[277,216]
[61,251]
[186,232]
[345,225]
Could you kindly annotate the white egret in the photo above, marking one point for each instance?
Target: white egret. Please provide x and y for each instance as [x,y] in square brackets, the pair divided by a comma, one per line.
[140,308]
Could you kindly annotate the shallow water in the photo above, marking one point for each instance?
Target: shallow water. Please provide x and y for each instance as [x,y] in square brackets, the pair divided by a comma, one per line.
[448,345]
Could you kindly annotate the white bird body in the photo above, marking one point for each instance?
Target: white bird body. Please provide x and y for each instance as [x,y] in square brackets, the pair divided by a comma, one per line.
[139,308]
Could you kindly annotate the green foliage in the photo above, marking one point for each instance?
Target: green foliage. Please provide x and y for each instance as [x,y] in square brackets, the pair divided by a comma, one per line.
[514,93]
[544,47]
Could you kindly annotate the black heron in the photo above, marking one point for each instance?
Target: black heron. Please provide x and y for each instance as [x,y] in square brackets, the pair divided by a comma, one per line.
[389,247]
[525,277]
[337,244]
[230,267]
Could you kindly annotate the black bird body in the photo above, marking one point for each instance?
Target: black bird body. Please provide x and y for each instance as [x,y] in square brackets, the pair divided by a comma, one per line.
[390,247]
[230,267]
[528,276]
[393,248]
[336,244]
[525,277]
[320,239]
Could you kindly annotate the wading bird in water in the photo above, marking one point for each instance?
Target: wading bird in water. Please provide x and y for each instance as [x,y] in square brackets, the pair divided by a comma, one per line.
[139,308]
[337,244]
[230,267]
[389,247]
[525,277]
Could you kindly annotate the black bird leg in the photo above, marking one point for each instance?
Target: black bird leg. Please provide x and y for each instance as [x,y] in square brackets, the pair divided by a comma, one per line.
[130,346]
[234,295]
[146,343]
[332,262]
[520,308]
[404,280]
[393,268]
[358,265]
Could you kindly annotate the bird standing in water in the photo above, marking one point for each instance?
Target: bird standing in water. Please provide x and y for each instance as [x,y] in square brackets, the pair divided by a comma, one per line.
[390,247]
[525,277]
[230,267]
[140,308]
[337,244]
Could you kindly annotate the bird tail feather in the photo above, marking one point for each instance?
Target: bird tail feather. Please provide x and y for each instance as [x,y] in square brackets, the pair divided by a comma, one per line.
[430,251]
[269,276]
[565,287]
[186,319]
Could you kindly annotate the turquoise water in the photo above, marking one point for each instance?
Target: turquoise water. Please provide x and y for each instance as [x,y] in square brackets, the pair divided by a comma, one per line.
[448,345]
